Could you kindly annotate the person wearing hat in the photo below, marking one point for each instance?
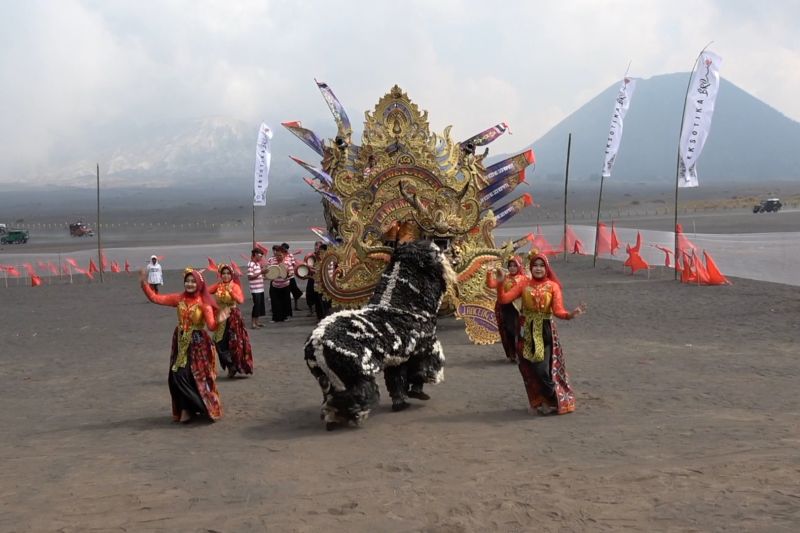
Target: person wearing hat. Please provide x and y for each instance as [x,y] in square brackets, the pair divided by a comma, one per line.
[154,274]
[255,276]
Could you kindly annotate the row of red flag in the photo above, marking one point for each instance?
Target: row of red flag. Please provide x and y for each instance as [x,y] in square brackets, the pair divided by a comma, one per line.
[692,269]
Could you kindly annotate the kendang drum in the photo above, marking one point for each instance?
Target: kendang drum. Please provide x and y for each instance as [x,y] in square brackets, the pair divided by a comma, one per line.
[303,271]
[274,272]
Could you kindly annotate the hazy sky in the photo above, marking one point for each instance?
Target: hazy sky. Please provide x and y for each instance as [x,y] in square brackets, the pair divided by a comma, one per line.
[74,70]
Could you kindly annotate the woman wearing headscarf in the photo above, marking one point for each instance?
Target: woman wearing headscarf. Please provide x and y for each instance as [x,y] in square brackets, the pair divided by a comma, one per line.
[507,315]
[541,360]
[154,275]
[230,337]
[192,373]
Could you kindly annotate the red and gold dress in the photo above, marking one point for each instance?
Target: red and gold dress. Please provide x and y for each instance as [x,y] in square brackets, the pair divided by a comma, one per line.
[507,315]
[541,360]
[193,372]
[230,336]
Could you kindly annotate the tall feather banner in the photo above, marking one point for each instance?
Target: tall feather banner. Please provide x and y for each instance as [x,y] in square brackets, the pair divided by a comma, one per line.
[621,107]
[697,114]
[263,160]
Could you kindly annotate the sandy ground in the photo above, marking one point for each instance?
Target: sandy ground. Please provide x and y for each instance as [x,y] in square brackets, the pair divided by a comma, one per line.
[688,419]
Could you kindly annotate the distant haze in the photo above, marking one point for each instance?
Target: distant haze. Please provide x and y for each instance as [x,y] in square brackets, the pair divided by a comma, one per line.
[749,141]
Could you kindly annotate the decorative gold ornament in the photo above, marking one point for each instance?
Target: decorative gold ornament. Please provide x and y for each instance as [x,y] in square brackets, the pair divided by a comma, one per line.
[402,183]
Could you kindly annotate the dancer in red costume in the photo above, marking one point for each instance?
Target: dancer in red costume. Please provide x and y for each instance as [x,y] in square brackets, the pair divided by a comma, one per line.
[541,361]
[192,374]
[507,315]
[230,337]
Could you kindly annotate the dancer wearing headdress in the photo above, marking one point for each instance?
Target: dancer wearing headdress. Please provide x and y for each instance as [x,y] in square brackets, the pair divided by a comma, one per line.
[231,337]
[507,315]
[541,360]
[192,373]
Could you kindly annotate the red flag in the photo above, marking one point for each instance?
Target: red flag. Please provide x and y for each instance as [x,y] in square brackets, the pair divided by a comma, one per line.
[53,268]
[103,261]
[11,270]
[29,269]
[127,266]
[715,277]
[114,266]
[92,267]
[667,255]
[684,244]
[603,239]
[700,269]
[35,281]
[235,267]
[212,265]
[687,275]
[573,244]
[72,262]
[635,260]
[614,240]
[42,265]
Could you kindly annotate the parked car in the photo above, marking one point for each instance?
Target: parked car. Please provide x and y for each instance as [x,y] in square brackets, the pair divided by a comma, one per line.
[79,229]
[770,205]
[14,236]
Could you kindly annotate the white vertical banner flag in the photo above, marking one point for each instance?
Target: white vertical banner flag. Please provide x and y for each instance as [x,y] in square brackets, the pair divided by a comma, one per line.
[263,160]
[700,101]
[615,131]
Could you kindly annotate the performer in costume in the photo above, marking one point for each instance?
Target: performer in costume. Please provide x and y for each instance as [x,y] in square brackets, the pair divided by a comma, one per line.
[192,374]
[541,361]
[347,350]
[507,315]
[230,337]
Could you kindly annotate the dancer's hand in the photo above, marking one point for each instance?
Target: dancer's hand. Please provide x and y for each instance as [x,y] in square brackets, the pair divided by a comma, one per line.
[581,309]
[499,274]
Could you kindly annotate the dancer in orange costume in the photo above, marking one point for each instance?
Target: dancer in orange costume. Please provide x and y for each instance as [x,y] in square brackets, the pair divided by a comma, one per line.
[230,337]
[193,371]
[541,361]
[507,315]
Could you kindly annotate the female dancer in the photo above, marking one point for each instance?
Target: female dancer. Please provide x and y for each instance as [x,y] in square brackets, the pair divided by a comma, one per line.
[192,374]
[541,360]
[230,337]
[507,315]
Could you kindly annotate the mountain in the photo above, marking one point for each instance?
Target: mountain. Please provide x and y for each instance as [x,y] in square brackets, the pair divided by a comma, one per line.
[749,140]
[194,153]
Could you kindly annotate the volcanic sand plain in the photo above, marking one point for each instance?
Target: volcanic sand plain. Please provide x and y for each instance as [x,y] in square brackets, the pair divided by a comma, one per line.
[688,419]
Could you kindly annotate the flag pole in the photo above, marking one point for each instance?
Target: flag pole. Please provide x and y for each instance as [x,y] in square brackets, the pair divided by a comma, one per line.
[678,163]
[597,222]
[566,188]
[254,226]
[99,245]
[600,196]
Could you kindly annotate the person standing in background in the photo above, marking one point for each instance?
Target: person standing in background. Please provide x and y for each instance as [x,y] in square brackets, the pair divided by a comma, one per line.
[279,288]
[293,288]
[255,276]
[154,275]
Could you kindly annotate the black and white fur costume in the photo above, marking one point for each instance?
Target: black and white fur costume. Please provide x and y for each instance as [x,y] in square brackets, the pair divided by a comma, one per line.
[396,331]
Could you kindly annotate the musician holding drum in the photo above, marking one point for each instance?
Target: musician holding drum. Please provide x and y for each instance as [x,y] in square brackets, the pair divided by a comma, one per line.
[279,272]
